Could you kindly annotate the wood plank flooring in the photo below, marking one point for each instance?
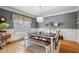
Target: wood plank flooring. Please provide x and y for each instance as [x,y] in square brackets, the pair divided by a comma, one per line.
[68,47]
[16,47]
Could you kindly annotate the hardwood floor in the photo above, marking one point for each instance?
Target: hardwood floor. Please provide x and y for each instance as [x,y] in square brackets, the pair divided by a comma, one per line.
[68,47]
[16,47]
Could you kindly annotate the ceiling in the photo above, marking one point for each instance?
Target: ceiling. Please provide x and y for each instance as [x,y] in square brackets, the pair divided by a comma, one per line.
[42,10]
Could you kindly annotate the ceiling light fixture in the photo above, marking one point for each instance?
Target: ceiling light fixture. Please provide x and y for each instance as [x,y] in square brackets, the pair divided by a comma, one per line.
[40,19]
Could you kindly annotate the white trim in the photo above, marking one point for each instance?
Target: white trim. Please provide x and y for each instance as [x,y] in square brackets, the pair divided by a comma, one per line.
[16,11]
[60,13]
[20,33]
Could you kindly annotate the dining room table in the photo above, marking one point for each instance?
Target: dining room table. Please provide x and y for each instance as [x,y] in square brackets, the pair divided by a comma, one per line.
[47,35]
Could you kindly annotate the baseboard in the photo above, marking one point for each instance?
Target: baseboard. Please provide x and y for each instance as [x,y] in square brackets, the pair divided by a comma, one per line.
[18,40]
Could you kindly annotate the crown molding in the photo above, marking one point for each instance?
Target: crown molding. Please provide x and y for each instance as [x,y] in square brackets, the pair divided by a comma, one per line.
[60,13]
[16,11]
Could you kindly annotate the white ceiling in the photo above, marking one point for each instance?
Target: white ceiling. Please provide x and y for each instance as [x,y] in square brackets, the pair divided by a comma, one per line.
[44,10]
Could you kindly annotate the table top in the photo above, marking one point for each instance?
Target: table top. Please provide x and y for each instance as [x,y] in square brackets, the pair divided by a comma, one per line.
[44,35]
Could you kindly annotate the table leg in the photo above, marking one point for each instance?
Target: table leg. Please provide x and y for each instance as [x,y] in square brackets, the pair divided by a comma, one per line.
[51,45]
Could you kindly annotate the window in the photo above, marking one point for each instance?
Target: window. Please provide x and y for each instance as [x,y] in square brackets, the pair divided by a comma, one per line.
[21,24]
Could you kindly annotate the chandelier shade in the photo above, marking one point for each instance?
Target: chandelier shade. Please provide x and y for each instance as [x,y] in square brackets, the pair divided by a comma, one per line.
[40,19]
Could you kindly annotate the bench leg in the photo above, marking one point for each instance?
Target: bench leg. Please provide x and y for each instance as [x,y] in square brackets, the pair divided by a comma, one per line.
[46,49]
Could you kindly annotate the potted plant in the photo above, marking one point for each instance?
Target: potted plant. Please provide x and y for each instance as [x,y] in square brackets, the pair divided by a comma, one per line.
[3,26]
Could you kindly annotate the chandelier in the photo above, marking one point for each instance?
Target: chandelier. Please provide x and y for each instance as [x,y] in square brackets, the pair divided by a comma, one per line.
[40,19]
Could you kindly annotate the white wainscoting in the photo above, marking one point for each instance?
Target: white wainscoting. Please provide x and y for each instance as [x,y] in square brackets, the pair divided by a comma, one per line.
[16,36]
[78,35]
[69,34]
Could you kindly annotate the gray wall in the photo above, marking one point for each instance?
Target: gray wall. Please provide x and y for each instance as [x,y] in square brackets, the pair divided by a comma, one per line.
[34,23]
[69,20]
[8,16]
[78,18]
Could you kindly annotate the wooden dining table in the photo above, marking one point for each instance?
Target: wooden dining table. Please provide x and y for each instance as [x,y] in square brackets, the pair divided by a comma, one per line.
[51,38]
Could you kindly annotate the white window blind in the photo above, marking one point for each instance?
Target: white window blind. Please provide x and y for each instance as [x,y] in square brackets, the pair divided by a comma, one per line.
[21,23]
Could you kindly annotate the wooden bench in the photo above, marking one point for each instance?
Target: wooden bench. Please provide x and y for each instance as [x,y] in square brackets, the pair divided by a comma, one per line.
[42,43]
